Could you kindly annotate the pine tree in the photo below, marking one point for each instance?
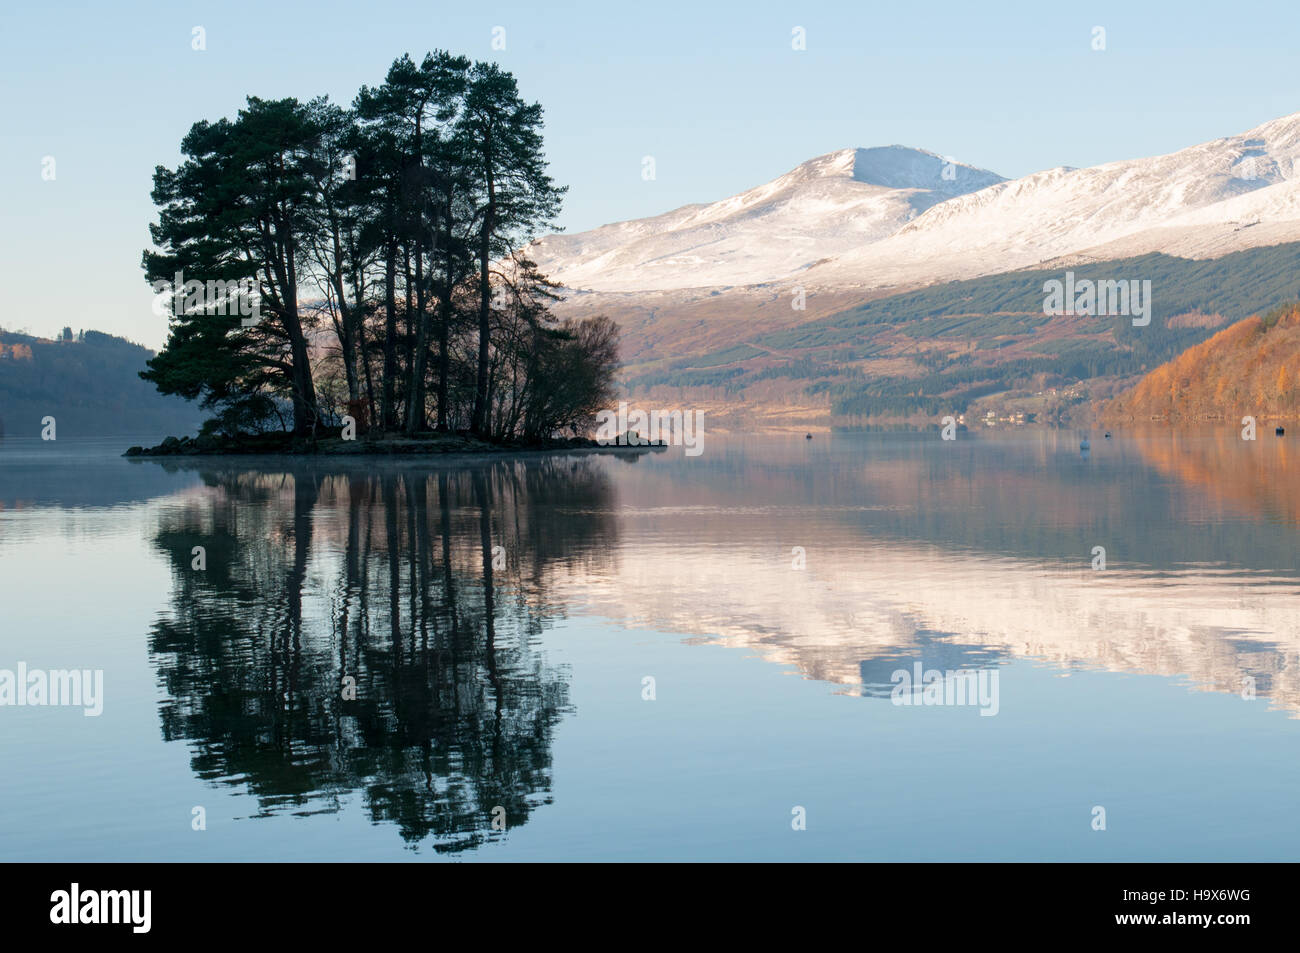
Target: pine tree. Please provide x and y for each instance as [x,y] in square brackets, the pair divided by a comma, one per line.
[515,196]
[238,207]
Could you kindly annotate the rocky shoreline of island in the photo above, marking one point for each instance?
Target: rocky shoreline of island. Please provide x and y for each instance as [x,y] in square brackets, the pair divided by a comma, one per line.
[428,444]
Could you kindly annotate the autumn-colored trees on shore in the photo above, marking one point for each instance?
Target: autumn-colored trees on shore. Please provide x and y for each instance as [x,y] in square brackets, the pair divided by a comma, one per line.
[1251,367]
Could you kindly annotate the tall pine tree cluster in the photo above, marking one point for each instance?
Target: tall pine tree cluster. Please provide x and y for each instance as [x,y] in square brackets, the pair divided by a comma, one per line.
[385,245]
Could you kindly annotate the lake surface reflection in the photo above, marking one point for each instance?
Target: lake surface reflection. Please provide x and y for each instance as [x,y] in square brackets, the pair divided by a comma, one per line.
[581,656]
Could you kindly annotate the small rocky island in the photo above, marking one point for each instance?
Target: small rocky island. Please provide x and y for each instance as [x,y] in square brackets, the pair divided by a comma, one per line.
[333,444]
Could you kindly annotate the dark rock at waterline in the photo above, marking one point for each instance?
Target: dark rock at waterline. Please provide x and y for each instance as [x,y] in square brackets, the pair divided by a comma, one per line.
[375,444]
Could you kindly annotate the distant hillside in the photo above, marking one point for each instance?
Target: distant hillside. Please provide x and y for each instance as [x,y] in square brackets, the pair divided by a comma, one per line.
[89,383]
[962,347]
[1251,367]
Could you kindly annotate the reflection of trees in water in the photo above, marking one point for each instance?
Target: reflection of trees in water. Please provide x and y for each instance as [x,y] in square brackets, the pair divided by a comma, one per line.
[388,579]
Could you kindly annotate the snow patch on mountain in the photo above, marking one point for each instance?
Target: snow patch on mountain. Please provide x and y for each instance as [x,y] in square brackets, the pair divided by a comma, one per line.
[896,216]
[824,207]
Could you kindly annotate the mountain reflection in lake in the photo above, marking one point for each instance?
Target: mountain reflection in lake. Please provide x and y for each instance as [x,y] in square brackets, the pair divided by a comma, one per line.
[388,659]
[374,633]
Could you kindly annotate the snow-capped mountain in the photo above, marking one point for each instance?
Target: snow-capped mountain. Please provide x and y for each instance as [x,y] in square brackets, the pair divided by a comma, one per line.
[827,206]
[866,219]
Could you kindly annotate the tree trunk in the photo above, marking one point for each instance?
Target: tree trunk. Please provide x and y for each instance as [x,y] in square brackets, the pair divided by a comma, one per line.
[480,424]
[390,338]
[365,366]
[444,321]
[415,418]
[444,359]
[347,336]
[304,389]
[410,329]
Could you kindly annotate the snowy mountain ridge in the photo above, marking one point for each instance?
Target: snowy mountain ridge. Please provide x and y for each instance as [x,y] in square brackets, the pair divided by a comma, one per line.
[892,216]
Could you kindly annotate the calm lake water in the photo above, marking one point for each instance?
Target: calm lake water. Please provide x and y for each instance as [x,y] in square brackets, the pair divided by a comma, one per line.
[660,657]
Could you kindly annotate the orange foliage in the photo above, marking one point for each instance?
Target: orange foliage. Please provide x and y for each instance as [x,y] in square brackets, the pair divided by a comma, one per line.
[1250,367]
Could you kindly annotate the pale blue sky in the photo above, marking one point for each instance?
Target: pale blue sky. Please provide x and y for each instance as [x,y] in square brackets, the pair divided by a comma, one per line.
[713,91]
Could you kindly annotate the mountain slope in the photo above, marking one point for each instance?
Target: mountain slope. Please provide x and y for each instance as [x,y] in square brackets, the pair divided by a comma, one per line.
[1251,367]
[1189,201]
[826,206]
[888,218]
[970,347]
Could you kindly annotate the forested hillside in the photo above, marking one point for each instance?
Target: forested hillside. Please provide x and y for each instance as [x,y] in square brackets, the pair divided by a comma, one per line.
[89,382]
[979,344]
[1250,368]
